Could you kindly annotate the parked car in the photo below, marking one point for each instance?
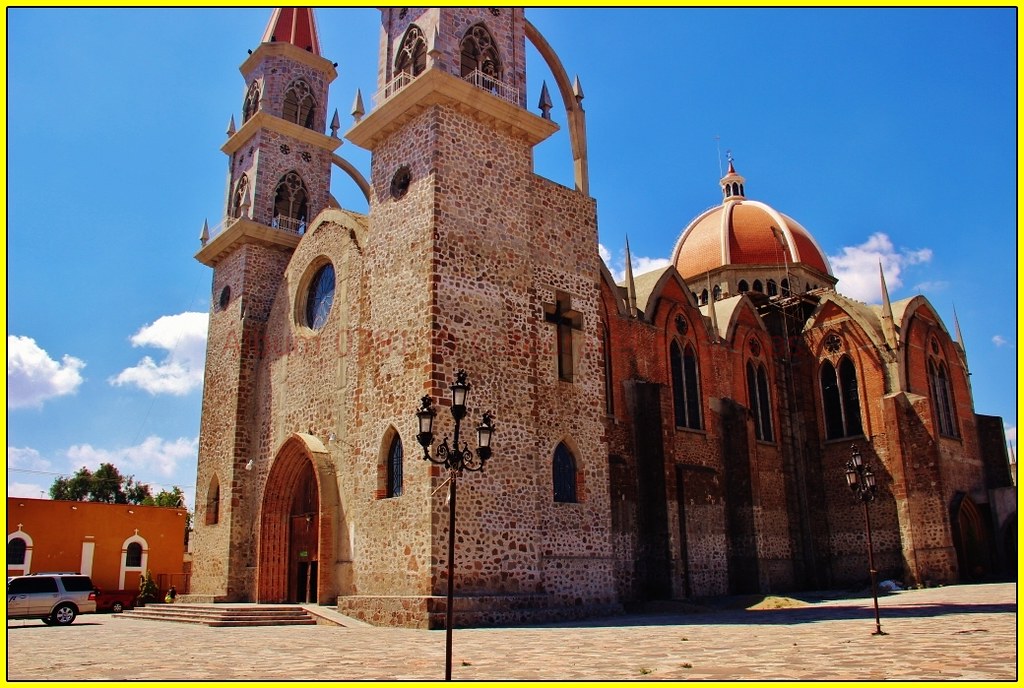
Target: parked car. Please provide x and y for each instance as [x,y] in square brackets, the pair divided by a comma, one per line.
[115,600]
[56,598]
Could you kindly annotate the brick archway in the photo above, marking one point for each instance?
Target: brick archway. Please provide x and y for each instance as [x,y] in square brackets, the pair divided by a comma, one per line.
[297,457]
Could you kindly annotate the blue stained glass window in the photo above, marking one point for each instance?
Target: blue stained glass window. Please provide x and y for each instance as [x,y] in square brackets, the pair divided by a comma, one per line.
[320,298]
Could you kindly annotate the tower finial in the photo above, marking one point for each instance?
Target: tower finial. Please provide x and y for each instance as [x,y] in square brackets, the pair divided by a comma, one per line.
[732,182]
[959,335]
[630,284]
[357,106]
[545,101]
[204,236]
[336,123]
[231,127]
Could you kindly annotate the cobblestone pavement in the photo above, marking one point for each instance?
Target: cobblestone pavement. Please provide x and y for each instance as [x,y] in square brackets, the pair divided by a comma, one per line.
[956,632]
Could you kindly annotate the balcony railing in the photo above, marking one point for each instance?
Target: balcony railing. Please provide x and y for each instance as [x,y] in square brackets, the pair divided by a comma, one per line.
[477,78]
[281,222]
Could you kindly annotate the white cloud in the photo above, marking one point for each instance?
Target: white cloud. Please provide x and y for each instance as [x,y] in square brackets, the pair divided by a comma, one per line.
[183,337]
[30,490]
[999,340]
[33,377]
[1011,433]
[153,454]
[857,267]
[617,263]
[26,458]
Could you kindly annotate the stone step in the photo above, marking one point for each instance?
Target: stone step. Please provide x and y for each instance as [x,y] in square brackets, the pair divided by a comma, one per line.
[218,615]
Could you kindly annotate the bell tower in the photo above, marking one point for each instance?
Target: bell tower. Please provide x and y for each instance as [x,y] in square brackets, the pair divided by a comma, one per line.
[475,262]
[279,164]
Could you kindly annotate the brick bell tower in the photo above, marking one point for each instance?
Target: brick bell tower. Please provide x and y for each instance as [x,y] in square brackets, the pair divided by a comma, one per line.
[474,262]
[279,163]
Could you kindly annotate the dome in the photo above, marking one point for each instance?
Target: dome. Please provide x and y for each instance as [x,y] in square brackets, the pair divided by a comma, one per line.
[743,232]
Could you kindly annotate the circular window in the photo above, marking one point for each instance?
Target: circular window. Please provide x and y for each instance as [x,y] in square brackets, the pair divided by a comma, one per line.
[225,297]
[833,343]
[935,346]
[400,182]
[681,324]
[320,297]
[755,347]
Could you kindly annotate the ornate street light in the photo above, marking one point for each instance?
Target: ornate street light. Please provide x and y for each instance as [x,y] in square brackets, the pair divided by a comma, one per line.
[861,481]
[456,459]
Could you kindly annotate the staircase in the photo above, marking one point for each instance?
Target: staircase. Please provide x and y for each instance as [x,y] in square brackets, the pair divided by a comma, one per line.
[222,615]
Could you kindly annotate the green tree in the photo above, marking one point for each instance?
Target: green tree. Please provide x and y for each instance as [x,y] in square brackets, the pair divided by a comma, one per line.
[173,498]
[105,485]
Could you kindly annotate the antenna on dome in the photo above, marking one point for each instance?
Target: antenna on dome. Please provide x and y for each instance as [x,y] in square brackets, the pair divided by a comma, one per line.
[719,149]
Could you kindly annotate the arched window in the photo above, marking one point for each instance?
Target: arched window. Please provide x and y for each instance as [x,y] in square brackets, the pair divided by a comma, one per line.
[478,54]
[704,297]
[395,456]
[773,288]
[685,386]
[299,104]
[213,502]
[252,102]
[133,555]
[563,468]
[716,293]
[758,286]
[412,54]
[290,204]
[759,400]
[785,287]
[840,400]
[240,199]
[743,286]
[942,397]
[16,551]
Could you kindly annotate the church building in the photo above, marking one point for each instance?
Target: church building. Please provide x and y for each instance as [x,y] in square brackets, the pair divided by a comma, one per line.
[678,435]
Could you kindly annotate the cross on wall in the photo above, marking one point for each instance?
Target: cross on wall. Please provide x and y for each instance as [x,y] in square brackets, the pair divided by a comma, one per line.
[566,321]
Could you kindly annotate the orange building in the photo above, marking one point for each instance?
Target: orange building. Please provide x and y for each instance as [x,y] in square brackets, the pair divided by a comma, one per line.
[113,543]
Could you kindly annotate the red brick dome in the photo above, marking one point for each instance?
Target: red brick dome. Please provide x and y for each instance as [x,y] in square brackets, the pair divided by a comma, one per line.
[742,232]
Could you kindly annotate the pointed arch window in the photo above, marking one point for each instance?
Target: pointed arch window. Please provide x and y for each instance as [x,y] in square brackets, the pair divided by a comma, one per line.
[213,502]
[759,399]
[252,102]
[395,457]
[299,104]
[704,297]
[563,467]
[785,287]
[942,397]
[841,401]
[773,288]
[758,286]
[478,54]
[716,293]
[412,54]
[240,199]
[743,286]
[291,204]
[685,386]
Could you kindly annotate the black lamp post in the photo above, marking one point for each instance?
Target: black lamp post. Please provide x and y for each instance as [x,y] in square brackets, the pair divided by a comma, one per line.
[862,481]
[455,458]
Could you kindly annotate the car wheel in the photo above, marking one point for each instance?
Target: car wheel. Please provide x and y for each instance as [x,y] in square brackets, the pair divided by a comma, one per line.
[47,620]
[63,615]
[117,608]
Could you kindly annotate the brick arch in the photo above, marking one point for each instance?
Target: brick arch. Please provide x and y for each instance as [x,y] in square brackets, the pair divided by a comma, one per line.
[297,452]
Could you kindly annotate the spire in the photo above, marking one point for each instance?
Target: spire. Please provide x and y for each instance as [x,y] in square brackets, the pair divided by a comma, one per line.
[732,182]
[336,123]
[577,90]
[956,327]
[630,284]
[295,25]
[204,236]
[711,308]
[357,106]
[888,326]
[231,127]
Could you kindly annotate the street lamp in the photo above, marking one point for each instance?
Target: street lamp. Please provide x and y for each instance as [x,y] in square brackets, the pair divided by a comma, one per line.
[861,480]
[455,458]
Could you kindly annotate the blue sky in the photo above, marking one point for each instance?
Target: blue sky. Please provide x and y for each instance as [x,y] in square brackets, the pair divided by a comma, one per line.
[890,134]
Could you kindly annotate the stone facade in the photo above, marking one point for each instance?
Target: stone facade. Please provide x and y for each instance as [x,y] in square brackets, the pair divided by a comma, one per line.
[311,485]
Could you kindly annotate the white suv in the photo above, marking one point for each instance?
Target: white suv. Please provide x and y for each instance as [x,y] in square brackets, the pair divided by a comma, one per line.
[56,598]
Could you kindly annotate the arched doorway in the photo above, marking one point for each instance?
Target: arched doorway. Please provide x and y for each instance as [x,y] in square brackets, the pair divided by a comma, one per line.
[972,538]
[297,526]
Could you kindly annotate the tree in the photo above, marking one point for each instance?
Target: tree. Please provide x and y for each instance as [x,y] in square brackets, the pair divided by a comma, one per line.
[173,498]
[105,485]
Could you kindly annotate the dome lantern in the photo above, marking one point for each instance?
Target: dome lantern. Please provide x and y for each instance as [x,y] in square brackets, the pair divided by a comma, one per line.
[732,183]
